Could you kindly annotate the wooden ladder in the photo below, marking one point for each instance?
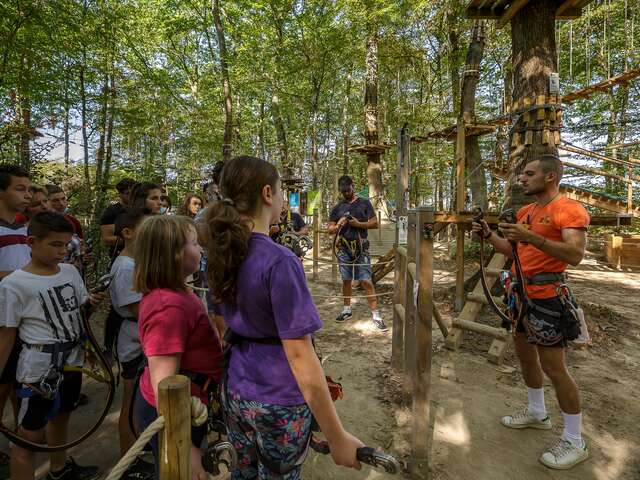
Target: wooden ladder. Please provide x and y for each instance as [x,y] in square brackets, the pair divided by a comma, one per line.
[472,307]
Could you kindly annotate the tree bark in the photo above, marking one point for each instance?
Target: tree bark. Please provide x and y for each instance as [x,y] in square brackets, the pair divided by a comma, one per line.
[534,59]
[374,168]
[281,133]
[226,84]
[473,159]
[345,126]
[100,152]
[85,120]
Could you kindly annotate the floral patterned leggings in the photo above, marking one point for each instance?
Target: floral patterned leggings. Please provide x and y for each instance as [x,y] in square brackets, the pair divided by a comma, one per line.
[264,433]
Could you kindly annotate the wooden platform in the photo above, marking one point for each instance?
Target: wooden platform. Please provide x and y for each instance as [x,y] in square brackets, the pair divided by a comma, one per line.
[602,86]
[371,149]
[504,11]
[449,133]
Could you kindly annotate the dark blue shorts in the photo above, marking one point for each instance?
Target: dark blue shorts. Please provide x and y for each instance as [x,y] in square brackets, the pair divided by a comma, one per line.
[263,432]
[354,268]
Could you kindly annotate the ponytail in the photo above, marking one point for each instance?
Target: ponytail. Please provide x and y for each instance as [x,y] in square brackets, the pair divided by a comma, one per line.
[228,222]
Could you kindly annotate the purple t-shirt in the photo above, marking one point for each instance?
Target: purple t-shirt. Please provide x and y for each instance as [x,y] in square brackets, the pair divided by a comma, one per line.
[273,300]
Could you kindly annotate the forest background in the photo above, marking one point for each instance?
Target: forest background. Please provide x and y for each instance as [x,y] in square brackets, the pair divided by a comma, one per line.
[95,90]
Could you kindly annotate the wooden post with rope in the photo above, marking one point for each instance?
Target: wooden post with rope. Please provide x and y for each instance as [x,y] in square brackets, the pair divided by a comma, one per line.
[410,281]
[174,404]
[402,197]
[316,243]
[421,434]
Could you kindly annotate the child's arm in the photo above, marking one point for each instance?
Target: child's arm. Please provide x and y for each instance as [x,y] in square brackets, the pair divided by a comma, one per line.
[311,379]
[7,339]
[161,367]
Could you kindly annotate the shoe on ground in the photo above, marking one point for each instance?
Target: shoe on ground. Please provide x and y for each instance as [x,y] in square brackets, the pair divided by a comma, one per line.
[139,470]
[524,419]
[4,466]
[344,316]
[563,455]
[380,325]
[73,471]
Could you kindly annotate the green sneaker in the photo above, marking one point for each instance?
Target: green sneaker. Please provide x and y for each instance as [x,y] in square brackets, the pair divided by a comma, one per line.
[563,455]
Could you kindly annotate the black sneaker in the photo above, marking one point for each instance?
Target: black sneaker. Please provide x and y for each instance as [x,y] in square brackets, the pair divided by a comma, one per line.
[4,466]
[140,470]
[380,325]
[73,471]
[344,316]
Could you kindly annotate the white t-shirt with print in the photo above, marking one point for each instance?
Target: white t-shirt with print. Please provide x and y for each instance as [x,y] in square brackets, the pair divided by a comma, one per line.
[122,294]
[45,309]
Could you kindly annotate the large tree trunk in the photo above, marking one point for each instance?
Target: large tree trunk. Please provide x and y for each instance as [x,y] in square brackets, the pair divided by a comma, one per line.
[374,168]
[281,133]
[345,126]
[226,84]
[473,159]
[100,152]
[534,59]
[85,125]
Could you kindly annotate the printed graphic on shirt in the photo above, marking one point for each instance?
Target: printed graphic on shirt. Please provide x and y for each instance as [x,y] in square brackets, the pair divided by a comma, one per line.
[61,311]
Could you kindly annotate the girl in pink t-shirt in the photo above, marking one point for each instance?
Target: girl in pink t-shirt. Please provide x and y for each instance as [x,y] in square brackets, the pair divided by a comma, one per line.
[175,332]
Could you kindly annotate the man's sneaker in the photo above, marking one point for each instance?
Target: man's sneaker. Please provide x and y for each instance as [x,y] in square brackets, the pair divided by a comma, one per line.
[139,470]
[563,455]
[344,316]
[525,420]
[380,325]
[73,471]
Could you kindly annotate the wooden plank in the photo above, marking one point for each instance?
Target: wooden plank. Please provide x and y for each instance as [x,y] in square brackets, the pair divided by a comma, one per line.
[511,12]
[410,309]
[460,199]
[602,86]
[481,298]
[494,332]
[566,5]
[588,153]
[174,404]
[597,171]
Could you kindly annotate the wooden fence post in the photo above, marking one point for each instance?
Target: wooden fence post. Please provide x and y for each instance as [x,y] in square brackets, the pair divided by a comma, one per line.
[409,333]
[334,267]
[316,243]
[421,434]
[380,227]
[174,404]
[460,199]
[402,197]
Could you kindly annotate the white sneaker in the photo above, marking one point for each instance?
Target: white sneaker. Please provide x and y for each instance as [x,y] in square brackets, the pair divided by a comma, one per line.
[563,455]
[525,420]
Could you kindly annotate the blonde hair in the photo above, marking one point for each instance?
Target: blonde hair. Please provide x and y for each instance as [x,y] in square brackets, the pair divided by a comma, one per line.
[160,243]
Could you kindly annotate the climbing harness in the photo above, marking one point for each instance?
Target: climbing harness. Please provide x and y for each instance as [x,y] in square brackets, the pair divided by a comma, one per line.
[368,455]
[49,385]
[286,236]
[520,309]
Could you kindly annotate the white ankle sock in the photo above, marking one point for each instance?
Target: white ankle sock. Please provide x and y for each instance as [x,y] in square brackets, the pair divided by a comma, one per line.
[346,309]
[376,315]
[536,403]
[573,429]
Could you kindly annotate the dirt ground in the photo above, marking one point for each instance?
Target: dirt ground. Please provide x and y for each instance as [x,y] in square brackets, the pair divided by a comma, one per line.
[469,394]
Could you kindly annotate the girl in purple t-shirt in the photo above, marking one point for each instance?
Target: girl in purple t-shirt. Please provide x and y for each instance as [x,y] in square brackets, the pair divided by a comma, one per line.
[274,387]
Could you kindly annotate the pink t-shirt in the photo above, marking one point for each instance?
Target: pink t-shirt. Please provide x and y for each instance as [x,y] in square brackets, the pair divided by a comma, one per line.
[173,322]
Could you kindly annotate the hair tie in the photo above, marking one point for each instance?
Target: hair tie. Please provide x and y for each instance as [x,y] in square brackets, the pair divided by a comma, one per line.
[228,201]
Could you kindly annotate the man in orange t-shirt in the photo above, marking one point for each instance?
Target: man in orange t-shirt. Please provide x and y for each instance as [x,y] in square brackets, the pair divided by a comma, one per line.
[550,234]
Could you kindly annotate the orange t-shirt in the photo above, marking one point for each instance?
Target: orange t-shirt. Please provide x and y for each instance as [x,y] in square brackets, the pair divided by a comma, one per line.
[548,221]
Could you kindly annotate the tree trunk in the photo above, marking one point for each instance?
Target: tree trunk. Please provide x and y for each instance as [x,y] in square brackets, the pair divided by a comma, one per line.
[374,168]
[262,149]
[281,133]
[473,159]
[85,120]
[226,84]
[65,128]
[100,152]
[108,151]
[24,147]
[345,126]
[534,59]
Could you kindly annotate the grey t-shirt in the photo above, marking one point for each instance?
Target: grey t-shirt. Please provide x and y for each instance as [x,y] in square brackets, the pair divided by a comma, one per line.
[122,295]
[45,309]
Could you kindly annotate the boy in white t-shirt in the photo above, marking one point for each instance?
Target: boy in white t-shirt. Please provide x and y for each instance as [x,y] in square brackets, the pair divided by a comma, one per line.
[124,301]
[41,303]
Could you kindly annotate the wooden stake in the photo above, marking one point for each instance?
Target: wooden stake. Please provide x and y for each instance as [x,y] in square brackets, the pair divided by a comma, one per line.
[460,201]
[174,404]
[421,435]
[409,308]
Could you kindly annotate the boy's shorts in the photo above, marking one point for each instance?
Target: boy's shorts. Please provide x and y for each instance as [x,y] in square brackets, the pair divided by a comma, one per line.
[9,373]
[131,368]
[36,411]
[358,269]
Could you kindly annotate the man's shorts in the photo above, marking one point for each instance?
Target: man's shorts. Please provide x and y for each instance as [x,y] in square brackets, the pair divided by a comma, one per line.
[354,269]
[548,325]
[36,411]
[9,373]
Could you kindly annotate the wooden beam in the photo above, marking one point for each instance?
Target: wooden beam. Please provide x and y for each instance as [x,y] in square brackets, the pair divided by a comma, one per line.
[513,9]
[602,86]
[567,4]
[597,171]
[599,156]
